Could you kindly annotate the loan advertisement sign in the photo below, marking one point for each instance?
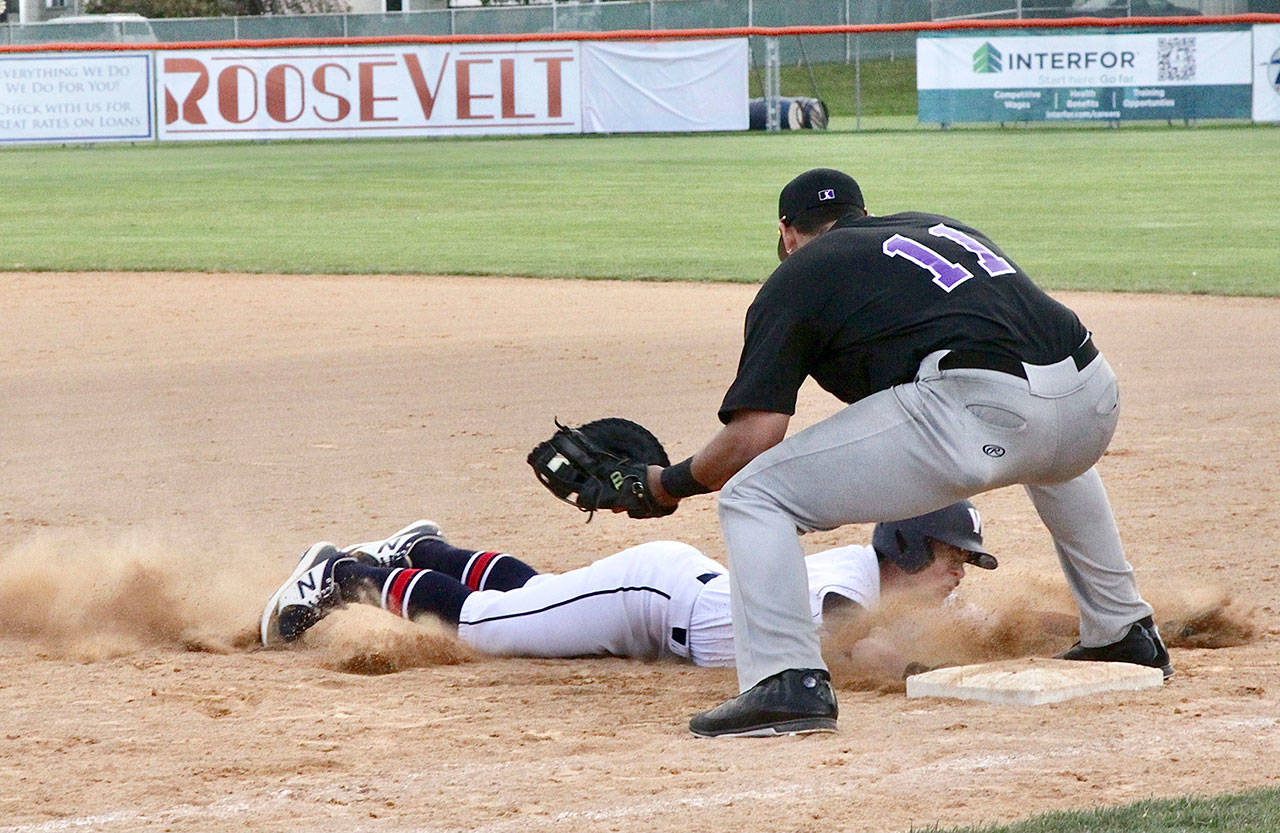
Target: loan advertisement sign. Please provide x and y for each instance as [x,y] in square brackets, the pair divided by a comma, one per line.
[1183,74]
[1266,73]
[72,98]
[450,89]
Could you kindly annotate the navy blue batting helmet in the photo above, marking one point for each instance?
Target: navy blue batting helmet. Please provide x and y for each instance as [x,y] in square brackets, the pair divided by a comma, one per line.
[906,543]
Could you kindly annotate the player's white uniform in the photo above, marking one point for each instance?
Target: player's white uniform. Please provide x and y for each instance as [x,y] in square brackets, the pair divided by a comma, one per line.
[658,599]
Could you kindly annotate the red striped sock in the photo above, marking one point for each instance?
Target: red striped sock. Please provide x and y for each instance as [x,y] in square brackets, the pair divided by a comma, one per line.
[397,588]
[475,574]
[409,593]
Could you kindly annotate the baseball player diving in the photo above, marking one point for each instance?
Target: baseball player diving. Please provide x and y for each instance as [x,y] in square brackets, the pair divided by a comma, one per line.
[655,600]
[960,376]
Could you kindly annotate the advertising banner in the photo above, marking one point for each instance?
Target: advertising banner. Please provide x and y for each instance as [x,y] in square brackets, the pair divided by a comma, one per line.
[454,89]
[1266,73]
[70,98]
[1187,74]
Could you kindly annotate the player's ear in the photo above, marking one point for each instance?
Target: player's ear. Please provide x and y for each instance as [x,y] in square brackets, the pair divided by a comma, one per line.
[788,240]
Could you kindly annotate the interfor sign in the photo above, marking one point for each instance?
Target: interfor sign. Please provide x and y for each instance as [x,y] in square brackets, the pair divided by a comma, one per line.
[456,88]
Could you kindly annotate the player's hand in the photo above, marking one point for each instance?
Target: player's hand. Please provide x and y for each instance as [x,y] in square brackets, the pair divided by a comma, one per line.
[876,654]
[656,489]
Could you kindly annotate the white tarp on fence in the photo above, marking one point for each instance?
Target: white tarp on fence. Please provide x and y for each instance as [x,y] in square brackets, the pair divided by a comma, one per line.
[672,86]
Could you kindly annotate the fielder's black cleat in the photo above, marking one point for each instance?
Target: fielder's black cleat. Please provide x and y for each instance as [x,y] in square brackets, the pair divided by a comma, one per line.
[1140,646]
[793,702]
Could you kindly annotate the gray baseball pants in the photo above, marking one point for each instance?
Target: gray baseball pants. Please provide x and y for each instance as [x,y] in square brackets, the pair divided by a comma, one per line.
[914,448]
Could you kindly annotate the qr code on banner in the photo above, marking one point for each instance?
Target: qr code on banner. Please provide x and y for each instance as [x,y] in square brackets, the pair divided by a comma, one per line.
[1177,59]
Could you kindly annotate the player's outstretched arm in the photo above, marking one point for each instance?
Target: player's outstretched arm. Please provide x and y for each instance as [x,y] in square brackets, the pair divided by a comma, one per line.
[739,442]
[879,655]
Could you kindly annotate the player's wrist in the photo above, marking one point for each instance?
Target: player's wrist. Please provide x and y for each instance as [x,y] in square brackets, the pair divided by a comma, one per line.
[656,490]
[678,481]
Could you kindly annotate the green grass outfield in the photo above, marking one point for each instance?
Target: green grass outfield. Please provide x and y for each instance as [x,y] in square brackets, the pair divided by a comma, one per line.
[1134,209]
[1257,811]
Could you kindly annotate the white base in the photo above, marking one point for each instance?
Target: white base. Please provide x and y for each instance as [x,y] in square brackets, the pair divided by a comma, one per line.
[1031,682]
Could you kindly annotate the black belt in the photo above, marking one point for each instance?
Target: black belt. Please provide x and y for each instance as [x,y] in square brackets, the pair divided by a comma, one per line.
[981,360]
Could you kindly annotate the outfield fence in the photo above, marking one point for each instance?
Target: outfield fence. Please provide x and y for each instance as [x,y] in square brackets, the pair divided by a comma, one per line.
[1100,70]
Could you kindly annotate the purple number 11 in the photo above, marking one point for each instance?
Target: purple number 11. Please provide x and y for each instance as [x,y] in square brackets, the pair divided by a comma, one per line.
[946,274]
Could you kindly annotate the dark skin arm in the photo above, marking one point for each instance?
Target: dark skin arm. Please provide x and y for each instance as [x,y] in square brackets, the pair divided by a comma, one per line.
[748,433]
[745,437]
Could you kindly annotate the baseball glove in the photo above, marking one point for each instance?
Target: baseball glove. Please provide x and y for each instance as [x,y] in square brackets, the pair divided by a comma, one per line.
[602,465]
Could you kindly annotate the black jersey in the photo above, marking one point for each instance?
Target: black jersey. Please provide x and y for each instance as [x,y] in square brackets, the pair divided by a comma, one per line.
[860,306]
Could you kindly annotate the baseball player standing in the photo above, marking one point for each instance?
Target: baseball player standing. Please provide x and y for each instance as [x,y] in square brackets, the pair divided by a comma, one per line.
[961,376]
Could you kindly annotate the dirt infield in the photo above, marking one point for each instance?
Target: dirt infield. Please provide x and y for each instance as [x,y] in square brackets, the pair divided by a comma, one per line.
[171,442]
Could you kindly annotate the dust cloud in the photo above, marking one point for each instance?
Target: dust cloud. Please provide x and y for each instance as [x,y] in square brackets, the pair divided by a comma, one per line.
[75,597]
[1206,617]
[79,597]
[910,630]
[361,639]
[90,598]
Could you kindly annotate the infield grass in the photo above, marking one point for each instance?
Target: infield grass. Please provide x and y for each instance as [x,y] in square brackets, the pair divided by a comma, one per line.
[1138,209]
[1257,811]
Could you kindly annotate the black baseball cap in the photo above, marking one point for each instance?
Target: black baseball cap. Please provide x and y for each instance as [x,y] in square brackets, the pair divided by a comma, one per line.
[817,188]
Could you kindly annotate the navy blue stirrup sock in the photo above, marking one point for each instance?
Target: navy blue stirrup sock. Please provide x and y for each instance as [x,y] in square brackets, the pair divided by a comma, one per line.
[356,580]
[478,570]
[409,593]
[405,593]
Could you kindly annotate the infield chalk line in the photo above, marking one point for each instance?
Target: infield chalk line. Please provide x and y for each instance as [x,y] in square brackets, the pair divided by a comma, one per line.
[725,799]
[285,798]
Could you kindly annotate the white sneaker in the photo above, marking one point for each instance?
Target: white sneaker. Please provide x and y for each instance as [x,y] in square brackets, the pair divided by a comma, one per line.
[394,551]
[305,598]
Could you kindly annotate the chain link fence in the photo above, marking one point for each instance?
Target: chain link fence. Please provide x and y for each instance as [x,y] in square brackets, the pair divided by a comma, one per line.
[417,19]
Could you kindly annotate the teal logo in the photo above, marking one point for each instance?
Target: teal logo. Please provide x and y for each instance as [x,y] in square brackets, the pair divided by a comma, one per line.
[987,59]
